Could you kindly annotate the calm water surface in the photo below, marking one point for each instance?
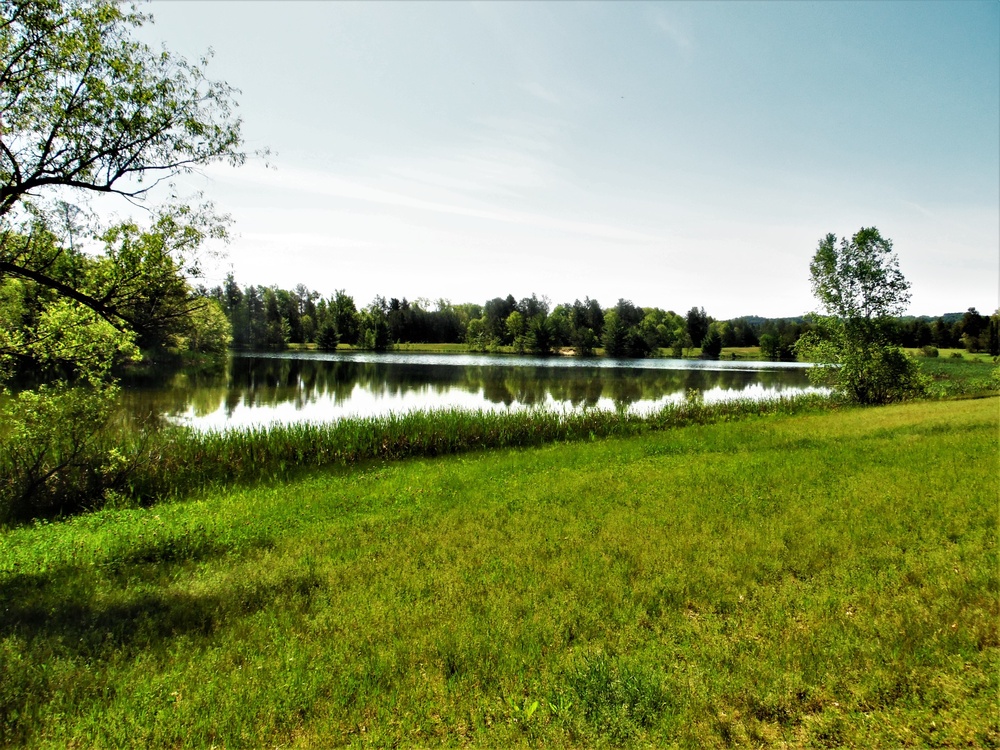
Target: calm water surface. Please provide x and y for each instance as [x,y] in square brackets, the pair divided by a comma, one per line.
[263,389]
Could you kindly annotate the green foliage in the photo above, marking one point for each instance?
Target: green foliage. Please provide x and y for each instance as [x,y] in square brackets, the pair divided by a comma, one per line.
[346,317]
[623,332]
[539,337]
[62,339]
[373,331]
[328,338]
[859,280]
[862,372]
[560,324]
[770,347]
[477,336]
[778,345]
[859,285]
[615,335]
[87,106]
[207,329]
[141,275]
[975,331]
[711,345]
[656,329]
[584,342]
[682,341]
[697,323]
[929,351]
[88,110]
[57,452]
[956,377]
[516,328]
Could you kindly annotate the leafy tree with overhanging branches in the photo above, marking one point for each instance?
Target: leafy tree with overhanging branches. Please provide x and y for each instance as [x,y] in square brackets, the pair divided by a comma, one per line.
[858,284]
[86,110]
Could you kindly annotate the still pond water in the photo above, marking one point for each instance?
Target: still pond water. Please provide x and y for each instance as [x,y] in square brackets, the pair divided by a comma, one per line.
[265,389]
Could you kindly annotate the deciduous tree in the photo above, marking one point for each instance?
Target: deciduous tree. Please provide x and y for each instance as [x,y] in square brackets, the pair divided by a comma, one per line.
[858,284]
[87,110]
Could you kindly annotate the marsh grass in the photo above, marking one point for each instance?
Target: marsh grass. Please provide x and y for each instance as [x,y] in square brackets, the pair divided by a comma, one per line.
[187,460]
[963,376]
[171,462]
[813,580]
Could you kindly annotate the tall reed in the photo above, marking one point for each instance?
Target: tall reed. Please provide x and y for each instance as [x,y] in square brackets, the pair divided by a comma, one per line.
[176,461]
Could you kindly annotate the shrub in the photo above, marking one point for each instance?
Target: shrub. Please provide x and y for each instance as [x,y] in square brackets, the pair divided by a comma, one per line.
[929,351]
[57,453]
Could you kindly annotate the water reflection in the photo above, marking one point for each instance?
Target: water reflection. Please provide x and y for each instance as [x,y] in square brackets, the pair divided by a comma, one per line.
[256,390]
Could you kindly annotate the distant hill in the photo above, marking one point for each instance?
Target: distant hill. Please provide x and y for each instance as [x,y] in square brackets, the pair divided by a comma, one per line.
[757,321]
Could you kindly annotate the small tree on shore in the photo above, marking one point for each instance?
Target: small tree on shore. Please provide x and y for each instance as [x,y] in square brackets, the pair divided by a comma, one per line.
[860,287]
[711,345]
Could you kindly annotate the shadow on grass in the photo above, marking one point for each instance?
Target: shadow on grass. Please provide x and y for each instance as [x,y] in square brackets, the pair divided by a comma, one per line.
[62,631]
[73,610]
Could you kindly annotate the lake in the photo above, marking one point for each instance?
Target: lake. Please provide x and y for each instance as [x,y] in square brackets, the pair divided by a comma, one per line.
[263,389]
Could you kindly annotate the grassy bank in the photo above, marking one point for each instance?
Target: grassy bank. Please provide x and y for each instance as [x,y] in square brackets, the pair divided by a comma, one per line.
[812,580]
[177,461]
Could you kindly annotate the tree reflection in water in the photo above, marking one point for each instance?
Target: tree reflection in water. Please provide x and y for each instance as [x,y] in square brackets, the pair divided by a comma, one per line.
[263,389]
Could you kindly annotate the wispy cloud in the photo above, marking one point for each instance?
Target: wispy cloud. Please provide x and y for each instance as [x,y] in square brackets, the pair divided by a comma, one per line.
[308,240]
[326,185]
[680,37]
[491,170]
[505,157]
[539,91]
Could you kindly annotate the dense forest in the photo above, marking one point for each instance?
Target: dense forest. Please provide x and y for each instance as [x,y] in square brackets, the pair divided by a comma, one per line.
[271,318]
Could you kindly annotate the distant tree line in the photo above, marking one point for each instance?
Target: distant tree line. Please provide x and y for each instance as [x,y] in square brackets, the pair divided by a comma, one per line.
[970,330]
[271,318]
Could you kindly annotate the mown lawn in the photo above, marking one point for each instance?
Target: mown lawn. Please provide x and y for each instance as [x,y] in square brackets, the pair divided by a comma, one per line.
[817,580]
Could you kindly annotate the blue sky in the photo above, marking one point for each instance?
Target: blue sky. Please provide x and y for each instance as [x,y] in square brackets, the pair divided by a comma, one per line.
[673,154]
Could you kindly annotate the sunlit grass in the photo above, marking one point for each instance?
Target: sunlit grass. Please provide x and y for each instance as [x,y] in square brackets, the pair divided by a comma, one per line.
[813,580]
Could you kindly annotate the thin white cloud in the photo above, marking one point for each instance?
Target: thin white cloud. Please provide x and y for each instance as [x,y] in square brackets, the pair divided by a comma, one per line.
[326,185]
[308,240]
[537,135]
[506,156]
[495,171]
[539,91]
[679,37]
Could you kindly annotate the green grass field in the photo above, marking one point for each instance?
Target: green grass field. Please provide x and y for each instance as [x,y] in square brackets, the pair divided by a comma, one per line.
[815,580]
